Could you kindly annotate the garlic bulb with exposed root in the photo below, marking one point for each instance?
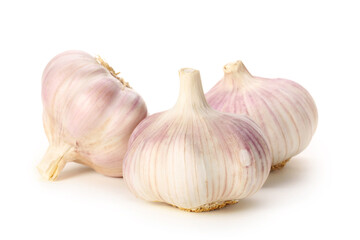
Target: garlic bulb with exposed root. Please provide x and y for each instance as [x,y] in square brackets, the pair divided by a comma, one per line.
[89,114]
[193,157]
[284,110]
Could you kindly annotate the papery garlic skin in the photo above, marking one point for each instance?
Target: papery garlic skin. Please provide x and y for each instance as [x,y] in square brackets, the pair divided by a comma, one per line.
[284,110]
[194,157]
[89,114]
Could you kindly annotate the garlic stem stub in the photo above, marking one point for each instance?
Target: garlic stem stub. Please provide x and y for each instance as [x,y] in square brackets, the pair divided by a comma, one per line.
[284,110]
[89,114]
[193,157]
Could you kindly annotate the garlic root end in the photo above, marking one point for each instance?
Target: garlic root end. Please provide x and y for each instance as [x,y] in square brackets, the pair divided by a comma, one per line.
[209,206]
[279,165]
[112,71]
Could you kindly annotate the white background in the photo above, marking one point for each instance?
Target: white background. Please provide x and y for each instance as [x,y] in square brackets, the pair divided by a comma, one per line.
[315,43]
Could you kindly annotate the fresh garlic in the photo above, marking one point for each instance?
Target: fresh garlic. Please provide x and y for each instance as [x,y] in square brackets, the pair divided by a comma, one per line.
[89,114]
[193,157]
[284,110]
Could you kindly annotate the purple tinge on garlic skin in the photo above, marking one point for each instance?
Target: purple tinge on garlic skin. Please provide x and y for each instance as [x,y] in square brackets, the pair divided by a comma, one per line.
[284,110]
[88,115]
[191,155]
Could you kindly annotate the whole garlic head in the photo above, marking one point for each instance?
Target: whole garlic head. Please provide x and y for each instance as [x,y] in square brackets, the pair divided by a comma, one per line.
[193,157]
[89,114]
[284,110]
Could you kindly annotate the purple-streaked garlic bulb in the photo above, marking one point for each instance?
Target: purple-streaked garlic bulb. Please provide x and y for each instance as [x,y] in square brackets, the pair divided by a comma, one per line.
[196,158]
[89,114]
[284,110]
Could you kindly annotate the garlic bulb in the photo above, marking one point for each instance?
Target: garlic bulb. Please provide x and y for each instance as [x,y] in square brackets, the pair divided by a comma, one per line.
[193,157]
[284,110]
[89,114]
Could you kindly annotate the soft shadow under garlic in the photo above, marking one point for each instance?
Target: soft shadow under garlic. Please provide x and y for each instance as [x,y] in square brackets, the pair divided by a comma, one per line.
[242,206]
[292,173]
[86,179]
[72,170]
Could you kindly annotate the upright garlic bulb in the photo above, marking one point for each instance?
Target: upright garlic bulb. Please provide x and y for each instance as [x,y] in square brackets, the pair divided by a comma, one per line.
[284,110]
[194,157]
[89,114]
